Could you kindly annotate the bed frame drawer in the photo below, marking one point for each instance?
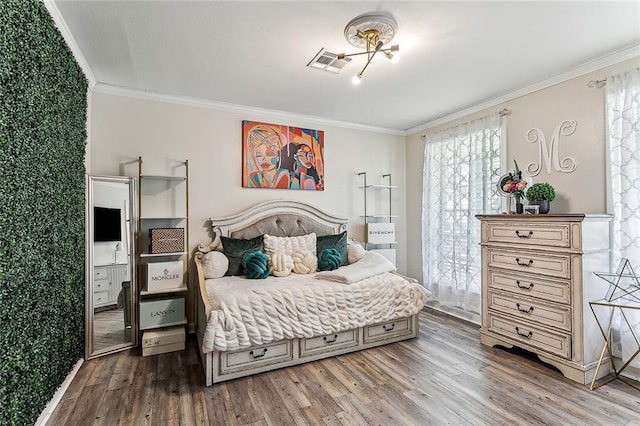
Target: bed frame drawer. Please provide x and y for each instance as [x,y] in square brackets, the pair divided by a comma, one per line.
[256,357]
[328,343]
[388,330]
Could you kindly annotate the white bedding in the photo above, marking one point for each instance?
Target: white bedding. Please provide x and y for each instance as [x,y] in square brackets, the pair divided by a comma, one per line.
[371,264]
[255,312]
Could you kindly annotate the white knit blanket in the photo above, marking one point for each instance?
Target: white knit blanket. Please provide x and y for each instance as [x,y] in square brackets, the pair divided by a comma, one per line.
[371,264]
[255,312]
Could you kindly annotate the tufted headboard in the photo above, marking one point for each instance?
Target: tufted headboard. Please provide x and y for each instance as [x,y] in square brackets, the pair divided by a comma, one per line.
[281,218]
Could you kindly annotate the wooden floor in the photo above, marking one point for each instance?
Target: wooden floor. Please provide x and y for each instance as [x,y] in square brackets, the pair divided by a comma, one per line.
[444,377]
[109,329]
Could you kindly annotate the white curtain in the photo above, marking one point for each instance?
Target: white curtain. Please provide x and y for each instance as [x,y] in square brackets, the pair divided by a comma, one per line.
[461,168]
[623,138]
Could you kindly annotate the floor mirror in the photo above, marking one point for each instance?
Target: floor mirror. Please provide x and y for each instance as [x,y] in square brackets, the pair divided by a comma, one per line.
[110,293]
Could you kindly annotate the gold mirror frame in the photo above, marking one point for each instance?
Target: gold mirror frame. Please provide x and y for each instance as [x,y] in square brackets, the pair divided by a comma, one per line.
[110,313]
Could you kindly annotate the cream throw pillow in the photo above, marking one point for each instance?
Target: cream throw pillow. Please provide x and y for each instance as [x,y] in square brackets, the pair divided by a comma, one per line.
[355,252]
[289,245]
[304,262]
[281,264]
[214,265]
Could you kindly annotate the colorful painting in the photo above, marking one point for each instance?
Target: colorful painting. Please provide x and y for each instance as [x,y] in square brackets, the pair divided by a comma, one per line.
[275,156]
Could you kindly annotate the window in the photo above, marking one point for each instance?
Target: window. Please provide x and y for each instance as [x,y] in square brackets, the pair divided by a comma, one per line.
[623,139]
[461,168]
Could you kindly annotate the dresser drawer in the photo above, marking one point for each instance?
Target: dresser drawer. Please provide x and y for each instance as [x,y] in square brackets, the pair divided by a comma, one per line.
[100,273]
[553,316]
[100,298]
[539,234]
[328,343]
[531,285]
[387,330]
[101,285]
[520,331]
[556,265]
[256,357]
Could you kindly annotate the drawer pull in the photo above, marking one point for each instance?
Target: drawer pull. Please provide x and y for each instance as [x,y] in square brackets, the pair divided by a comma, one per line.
[524,264]
[527,336]
[526,311]
[529,235]
[389,328]
[523,287]
[328,342]
[264,351]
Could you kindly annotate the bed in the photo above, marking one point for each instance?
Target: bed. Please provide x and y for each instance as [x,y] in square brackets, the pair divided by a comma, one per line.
[248,326]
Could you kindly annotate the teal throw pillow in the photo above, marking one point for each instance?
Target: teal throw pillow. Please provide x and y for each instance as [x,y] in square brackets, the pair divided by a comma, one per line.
[236,248]
[329,260]
[337,242]
[256,265]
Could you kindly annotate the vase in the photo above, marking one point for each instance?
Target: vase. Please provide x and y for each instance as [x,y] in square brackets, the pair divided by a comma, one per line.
[543,205]
[509,205]
[519,206]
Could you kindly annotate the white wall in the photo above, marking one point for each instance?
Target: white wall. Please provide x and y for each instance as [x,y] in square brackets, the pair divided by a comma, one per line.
[112,195]
[582,191]
[123,128]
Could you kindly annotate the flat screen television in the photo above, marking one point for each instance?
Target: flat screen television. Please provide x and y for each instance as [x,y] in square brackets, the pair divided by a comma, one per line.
[107,224]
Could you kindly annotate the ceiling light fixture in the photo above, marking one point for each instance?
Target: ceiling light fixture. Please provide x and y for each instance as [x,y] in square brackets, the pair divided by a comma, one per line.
[371,31]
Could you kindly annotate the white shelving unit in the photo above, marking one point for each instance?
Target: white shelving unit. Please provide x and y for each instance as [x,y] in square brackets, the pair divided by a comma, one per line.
[163,203]
[381,223]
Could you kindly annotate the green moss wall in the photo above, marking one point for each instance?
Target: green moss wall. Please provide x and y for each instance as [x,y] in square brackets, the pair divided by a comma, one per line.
[42,145]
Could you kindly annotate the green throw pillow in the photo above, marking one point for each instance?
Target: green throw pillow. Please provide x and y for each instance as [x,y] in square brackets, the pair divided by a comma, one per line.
[338,242]
[235,249]
[329,260]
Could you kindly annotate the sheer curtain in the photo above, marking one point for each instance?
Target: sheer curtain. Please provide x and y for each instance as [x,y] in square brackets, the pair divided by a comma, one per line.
[461,167]
[623,139]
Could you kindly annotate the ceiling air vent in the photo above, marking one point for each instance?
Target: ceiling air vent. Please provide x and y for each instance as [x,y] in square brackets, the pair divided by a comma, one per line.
[327,61]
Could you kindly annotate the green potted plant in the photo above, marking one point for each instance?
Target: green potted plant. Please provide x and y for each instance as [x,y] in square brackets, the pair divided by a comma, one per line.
[541,194]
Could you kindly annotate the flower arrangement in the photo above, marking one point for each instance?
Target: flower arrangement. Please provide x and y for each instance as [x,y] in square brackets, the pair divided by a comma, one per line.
[513,183]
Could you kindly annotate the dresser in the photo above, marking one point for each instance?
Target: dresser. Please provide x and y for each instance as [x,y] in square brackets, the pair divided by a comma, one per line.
[108,283]
[537,281]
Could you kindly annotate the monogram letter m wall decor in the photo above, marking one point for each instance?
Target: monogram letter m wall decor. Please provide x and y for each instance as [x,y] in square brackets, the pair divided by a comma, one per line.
[549,153]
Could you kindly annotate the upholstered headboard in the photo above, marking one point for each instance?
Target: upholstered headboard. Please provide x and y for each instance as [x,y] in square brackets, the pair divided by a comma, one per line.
[280,218]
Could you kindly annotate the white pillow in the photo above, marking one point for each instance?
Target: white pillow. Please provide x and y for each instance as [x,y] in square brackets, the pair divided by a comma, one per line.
[281,264]
[304,262]
[355,252]
[214,265]
[289,245]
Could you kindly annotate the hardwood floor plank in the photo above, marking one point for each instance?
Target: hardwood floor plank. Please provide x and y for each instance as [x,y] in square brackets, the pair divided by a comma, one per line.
[220,409]
[321,402]
[444,377]
[242,404]
[288,392]
[358,409]
[140,395]
[270,403]
[342,371]
[329,382]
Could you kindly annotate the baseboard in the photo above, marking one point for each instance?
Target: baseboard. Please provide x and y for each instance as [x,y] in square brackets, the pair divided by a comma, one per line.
[453,312]
[51,406]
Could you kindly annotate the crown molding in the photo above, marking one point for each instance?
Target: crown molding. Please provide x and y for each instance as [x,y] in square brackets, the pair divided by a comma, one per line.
[71,42]
[591,66]
[109,89]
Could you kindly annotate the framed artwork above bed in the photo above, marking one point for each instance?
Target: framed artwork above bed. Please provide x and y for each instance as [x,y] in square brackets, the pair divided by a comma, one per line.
[283,157]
